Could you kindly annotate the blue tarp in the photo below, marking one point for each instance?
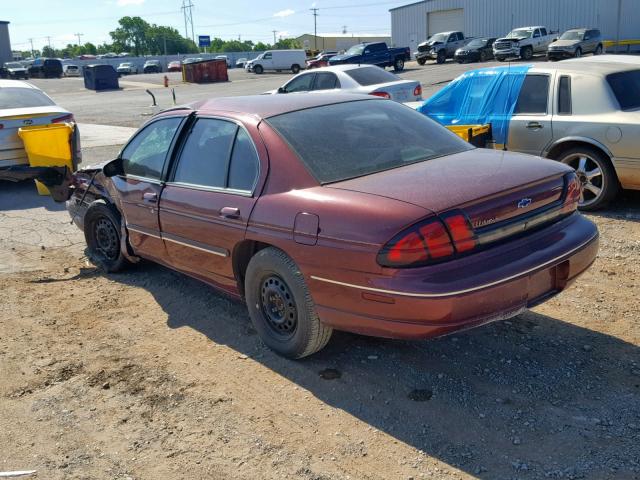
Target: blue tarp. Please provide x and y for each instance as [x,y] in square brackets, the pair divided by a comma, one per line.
[478,97]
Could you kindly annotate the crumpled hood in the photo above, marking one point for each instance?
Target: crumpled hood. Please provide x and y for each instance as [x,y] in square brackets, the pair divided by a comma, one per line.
[564,43]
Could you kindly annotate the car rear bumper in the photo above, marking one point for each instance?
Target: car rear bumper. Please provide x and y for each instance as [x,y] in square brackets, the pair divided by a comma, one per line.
[490,285]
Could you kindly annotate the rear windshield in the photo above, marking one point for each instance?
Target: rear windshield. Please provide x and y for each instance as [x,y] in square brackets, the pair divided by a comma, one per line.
[23,97]
[371,76]
[626,88]
[363,137]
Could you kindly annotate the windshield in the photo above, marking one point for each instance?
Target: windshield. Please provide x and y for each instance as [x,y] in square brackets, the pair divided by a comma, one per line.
[12,97]
[572,35]
[520,33]
[438,37]
[477,43]
[13,65]
[355,50]
[365,138]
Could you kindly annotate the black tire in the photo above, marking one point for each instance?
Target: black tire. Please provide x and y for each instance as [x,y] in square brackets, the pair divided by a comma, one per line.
[598,50]
[577,53]
[441,58]
[422,61]
[102,234]
[501,59]
[484,56]
[295,68]
[280,306]
[258,69]
[398,65]
[606,181]
[526,53]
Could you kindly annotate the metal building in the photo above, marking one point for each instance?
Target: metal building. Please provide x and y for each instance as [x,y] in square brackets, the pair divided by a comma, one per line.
[414,23]
[5,43]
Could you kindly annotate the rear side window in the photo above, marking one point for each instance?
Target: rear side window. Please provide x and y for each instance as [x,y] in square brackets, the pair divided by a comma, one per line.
[326,81]
[204,157]
[533,95]
[564,96]
[23,98]
[543,32]
[626,88]
[243,171]
[371,75]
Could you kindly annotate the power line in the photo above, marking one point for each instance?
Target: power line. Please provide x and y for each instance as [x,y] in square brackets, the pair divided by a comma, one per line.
[188,18]
[315,27]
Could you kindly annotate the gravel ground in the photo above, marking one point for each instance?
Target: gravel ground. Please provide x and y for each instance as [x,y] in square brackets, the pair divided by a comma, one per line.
[150,374]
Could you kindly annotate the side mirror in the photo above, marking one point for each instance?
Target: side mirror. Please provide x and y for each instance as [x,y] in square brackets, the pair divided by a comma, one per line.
[113,168]
[282,90]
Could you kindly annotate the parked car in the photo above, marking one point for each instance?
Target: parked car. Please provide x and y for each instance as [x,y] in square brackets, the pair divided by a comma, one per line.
[86,56]
[14,70]
[127,68]
[576,42]
[124,54]
[580,112]
[385,229]
[175,66]
[71,70]
[477,50]
[152,66]
[320,60]
[46,68]
[240,63]
[523,43]
[278,60]
[365,79]
[23,104]
[225,58]
[192,60]
[440,46]
[376,53]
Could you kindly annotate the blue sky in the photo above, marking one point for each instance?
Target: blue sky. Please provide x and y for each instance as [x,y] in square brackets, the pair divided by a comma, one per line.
[254,20]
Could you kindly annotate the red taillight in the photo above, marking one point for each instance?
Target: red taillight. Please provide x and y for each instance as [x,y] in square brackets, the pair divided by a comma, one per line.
[429,241]
[380,94]
[64,118]
[417,92]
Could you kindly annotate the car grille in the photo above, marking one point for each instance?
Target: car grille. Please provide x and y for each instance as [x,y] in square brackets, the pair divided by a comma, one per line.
[504,45]
[424,48]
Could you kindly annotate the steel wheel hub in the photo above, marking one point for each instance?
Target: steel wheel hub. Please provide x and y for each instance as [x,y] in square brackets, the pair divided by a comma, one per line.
[278,306]
[106,238]
[590,175]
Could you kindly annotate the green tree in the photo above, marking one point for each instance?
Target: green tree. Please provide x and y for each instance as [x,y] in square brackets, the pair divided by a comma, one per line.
[47,51]
[261,47]
[131,34]
[287,44]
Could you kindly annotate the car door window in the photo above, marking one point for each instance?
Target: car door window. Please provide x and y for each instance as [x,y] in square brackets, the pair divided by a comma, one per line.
[452,38]
[204,159]
[536,33]
[326,81]
[533,95]
[144,156]
[244,168]
[267,56]
[300,84]
[543,32]
[460,36]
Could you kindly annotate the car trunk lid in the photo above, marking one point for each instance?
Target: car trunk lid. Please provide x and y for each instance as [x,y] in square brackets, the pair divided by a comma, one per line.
[400,91]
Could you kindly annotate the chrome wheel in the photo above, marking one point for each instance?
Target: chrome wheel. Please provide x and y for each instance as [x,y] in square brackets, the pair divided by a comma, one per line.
[590,174]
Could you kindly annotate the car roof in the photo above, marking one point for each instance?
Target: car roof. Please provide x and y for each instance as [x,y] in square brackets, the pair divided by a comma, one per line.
[343,68]
[264,106]
[587,66]
[16,84]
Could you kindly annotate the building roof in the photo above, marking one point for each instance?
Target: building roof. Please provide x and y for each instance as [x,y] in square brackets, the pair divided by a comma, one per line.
[347,35]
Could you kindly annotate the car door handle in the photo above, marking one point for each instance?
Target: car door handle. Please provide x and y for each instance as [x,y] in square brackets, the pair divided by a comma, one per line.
[150,197]
[534,126]
[230,212]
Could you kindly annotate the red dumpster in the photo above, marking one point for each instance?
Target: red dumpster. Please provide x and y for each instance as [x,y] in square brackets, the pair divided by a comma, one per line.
[205,71]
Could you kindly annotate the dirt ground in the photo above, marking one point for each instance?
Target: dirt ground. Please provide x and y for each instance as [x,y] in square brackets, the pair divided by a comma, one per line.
[148,374]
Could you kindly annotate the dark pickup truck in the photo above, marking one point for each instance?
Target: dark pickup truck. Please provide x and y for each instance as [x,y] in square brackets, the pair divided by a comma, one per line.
[374,54]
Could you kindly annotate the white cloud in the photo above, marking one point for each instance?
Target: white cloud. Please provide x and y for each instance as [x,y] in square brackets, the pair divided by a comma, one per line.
[126,3]
[284,13]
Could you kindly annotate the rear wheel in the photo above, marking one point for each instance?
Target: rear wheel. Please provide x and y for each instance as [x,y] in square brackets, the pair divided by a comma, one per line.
[398,65]
[102,234]
[422,61]
[598,50]
[526,53]
[441,58]
[258,69]
[597,176]
[281,307]
[295,68]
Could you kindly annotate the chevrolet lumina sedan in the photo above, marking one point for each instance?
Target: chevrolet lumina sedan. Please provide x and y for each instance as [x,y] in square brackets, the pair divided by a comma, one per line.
[363,79]
[396,227]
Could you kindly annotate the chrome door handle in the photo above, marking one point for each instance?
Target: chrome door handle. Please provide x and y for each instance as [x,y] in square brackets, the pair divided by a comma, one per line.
[534,126]
[230,212]
[150,197]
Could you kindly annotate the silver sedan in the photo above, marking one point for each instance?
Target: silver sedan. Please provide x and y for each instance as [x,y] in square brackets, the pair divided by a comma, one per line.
[364,79]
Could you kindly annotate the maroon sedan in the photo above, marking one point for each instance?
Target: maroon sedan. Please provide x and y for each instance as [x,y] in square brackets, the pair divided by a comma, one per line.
[175,66]
[321,60]
[395,227]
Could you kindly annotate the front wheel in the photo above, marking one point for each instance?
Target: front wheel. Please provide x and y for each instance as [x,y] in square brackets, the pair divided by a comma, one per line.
[280,305]
[295,69]
[398,65]
[596,174]
[258,69]
[577,53]
[526,53]
[422,61]
[484,56]
[102,234]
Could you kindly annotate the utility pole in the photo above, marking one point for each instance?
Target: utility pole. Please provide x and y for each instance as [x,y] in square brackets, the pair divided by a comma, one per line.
[315,27]
[344,29]
[78,35]
[32,55]
[274,36]
[187,6]
[48,40]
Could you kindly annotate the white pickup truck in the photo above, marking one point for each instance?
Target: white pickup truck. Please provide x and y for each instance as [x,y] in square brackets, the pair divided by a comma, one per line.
[523,42]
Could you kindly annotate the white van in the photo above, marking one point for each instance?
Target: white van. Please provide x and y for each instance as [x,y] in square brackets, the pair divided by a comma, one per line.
[293,60]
